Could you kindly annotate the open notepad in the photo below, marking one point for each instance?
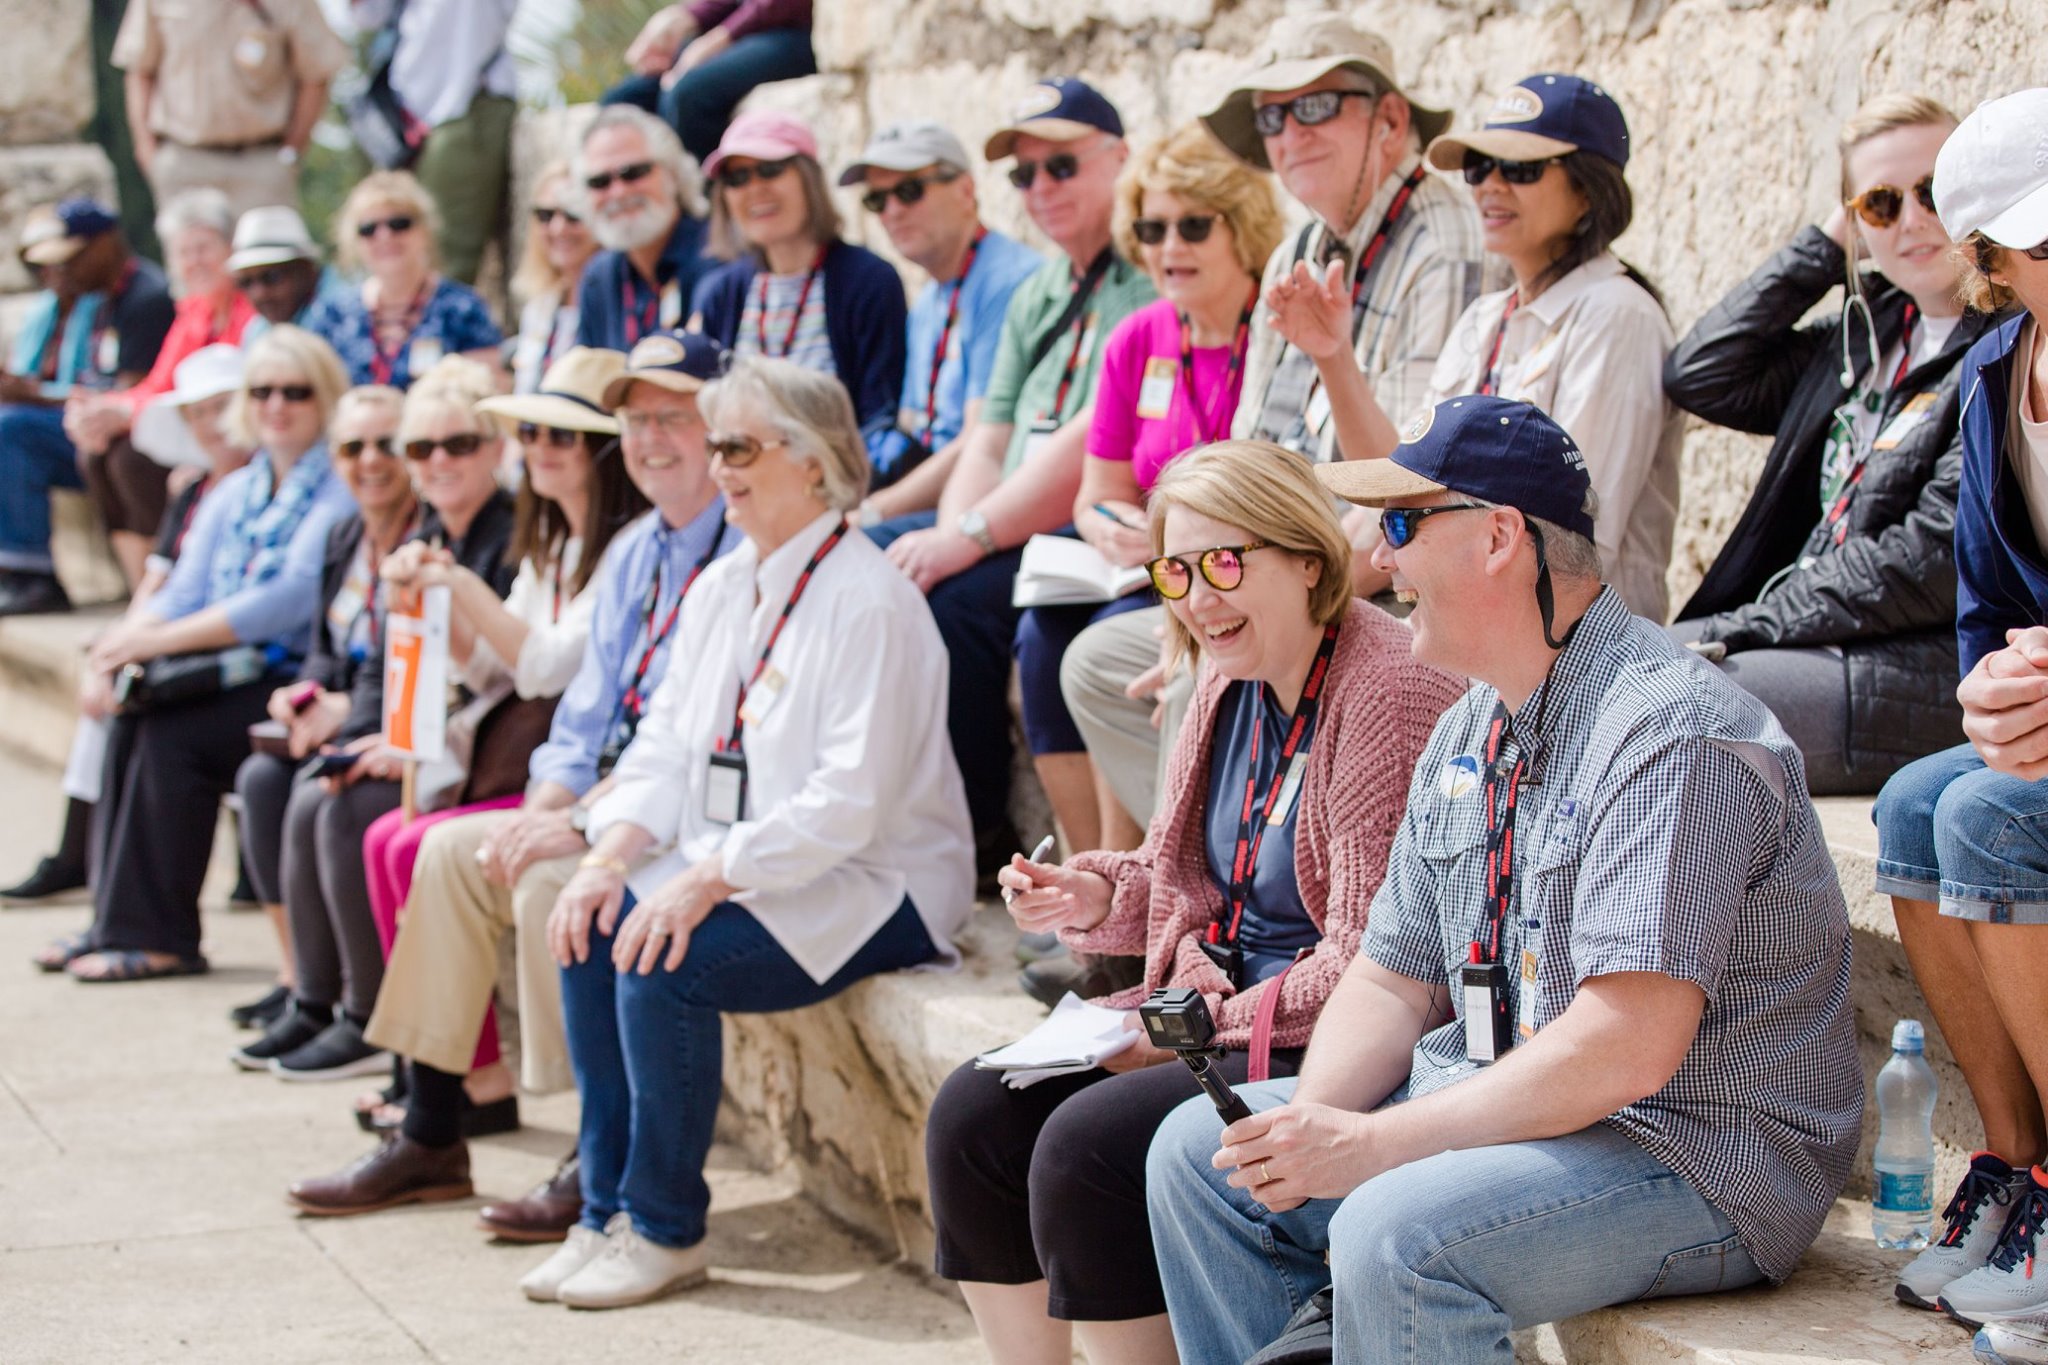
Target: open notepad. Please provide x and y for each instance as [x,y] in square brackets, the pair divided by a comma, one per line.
[1076,1036]
[1060,571]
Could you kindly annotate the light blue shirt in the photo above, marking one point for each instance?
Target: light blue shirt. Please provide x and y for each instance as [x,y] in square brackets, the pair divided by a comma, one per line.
[1000,265]
[593,703]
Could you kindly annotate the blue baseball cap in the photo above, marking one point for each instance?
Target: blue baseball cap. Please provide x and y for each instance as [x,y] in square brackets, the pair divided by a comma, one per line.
[64,231]
[1544,116]
[1058,109]
[681,362]
[1493,449]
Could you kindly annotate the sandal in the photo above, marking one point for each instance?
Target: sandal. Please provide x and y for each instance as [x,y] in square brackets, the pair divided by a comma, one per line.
[61,952]
[478,1120]
[133,964]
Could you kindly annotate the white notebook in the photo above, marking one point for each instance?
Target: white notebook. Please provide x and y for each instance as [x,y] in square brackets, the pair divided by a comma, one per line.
[1061,571]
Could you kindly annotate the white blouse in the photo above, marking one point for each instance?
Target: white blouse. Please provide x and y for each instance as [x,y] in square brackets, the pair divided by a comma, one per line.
[557,627]
[853,798]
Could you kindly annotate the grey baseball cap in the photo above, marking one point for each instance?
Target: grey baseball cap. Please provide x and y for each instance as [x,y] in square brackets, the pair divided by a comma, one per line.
[908,146]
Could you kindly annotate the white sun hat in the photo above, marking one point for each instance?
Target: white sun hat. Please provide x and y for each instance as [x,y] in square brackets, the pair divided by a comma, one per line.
[160,431]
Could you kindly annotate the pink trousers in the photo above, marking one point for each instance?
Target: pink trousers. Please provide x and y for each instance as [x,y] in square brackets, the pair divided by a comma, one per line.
[390,846]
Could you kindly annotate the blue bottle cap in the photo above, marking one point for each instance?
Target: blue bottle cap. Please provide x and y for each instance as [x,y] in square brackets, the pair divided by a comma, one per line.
[1909,1036]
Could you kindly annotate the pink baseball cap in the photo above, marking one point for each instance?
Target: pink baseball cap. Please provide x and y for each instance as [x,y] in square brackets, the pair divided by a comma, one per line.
[764,135]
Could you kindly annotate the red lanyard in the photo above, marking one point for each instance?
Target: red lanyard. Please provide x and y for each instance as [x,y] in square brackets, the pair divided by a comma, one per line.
[634,703]
[639,319]
[1395,211]
[731,743]
[1211,424]
[376,573]
[931,396]
[1252,823]
[796,314]
[383,363]
[1489,378]
[1500,837]
[1838,514]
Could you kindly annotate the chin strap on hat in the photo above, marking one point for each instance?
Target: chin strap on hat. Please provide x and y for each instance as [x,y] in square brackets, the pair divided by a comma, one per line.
[1546,602]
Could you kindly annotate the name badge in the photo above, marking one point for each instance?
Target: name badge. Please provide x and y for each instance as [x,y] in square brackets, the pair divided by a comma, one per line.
[1912,415]
[1525,1011]
[1034,440]
[108,361]
[762,695]
[725,788]
[250,51]
[671,305]
[1297,768]
[1485,991]
[423,355]
[1155,394]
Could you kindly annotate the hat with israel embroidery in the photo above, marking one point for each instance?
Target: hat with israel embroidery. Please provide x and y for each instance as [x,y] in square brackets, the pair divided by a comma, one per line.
[1547,115]
[1503,452]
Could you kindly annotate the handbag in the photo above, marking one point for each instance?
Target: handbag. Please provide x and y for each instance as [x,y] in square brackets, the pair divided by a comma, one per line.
[1309,1338]
[174,680]
[505,740]
[377,119]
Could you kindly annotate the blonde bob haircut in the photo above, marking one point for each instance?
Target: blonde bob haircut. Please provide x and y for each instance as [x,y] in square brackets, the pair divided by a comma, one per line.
[457,384]
[1270,494]
[365,398]
[285,355]
[397,191]
[1191,164]
[809,410]
[821,215]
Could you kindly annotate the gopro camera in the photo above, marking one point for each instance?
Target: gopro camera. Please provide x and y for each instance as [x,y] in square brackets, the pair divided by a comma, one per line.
[1177,1020]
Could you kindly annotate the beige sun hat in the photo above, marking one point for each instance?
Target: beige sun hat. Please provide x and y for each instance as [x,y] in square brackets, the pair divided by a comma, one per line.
[1298,50]
[571,396]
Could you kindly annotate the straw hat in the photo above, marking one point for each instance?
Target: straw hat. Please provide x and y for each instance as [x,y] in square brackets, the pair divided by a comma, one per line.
[571,396]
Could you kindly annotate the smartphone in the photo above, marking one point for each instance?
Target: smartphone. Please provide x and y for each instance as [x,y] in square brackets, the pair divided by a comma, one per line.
[335,764]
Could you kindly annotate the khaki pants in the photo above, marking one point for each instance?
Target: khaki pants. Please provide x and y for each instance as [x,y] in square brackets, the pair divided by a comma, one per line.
[445,962]
[1099,665]
[251,178]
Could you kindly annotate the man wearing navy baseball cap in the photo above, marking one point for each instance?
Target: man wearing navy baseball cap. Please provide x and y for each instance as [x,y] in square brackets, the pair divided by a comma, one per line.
[1602,1001]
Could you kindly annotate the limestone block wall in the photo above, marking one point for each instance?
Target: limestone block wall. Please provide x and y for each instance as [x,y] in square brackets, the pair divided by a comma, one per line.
[46,98]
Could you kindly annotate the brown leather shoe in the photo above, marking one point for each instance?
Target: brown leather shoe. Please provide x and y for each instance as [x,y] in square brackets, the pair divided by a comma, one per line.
[545,1215]
[399,1172]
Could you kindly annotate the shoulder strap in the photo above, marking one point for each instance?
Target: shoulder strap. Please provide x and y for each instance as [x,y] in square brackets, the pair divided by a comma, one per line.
[1301,242]
[1259,1065]
[1076,302]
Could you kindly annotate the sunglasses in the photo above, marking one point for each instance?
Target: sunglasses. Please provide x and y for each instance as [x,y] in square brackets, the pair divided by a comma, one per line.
[546,217]
[906,192]
[533,433]
[353,450]
[291,393]
[270,277]
[1222,568]
[736,449]
[1318,106]
[1478,165]
[1399,524]
[625,175]
[400,224]
[1192,228]
[1881,205]
[460,446]
[737,177]
[1060,166]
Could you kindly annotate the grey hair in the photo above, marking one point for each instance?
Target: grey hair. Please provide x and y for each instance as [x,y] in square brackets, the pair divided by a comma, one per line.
[203,207]
[810,410]
[1569,554]
[664,148]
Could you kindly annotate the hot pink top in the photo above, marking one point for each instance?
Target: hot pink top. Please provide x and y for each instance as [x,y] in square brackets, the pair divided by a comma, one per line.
[1149,341]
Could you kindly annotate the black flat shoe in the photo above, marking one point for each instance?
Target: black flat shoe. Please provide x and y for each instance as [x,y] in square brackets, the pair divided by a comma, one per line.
[51,878]
[478,1120]
[262,1013]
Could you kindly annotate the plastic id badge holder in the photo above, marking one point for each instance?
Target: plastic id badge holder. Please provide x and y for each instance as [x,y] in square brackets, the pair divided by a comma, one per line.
[725,787]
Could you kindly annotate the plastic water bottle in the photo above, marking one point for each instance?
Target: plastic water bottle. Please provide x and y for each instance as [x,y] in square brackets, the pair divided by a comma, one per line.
[1902,1215]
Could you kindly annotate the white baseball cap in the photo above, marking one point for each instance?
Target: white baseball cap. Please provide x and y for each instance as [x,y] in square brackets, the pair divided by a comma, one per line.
[1992,174]
[160,430]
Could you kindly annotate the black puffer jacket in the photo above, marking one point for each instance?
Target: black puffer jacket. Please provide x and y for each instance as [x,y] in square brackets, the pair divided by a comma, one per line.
[1886,596]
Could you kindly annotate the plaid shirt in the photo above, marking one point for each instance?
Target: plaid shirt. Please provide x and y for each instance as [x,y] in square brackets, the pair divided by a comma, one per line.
[1663,826]
[1425,276]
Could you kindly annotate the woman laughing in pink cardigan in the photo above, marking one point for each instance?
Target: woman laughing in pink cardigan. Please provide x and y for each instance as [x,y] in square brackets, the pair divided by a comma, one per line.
[1282,797]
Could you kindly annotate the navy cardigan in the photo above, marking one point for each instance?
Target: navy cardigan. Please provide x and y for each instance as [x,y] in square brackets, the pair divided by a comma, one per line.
[2002,578]
[865,318]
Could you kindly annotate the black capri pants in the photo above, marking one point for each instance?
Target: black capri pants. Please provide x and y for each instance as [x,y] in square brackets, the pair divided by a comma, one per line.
[1048,1183]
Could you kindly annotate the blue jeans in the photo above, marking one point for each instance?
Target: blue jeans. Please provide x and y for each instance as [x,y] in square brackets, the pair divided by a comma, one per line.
[1434,1262]
[700,104]
[648,1056]
[35,456]
[1951,830]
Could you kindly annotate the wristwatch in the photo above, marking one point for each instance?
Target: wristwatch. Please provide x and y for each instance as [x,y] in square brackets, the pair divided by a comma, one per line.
[974,526]
[579,820]
[288,154]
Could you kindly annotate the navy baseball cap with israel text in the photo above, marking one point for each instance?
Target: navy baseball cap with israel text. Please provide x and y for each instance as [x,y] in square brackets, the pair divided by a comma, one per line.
[1499,451]
[1544,116]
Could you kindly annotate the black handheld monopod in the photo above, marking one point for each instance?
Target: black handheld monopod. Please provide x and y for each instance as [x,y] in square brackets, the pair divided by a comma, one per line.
[1178,1021]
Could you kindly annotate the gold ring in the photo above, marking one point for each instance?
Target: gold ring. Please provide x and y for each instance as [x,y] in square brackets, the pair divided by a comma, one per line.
[1265,1176]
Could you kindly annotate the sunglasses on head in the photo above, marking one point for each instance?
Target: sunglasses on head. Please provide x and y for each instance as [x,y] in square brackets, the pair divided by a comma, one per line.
[353,449]
[1399,524]
[738,177]
[460,446]
[1060,166]
[291,393]
[546,217]
[625,175]
[1881,205]
[906,191]
[1190,227]
[737,450]
[1318,106]
[1478,165]
[1222,568]
[399,223]
[533,433]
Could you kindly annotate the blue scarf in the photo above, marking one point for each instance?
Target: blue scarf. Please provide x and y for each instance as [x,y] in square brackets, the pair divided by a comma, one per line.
[38,334]
[258,533]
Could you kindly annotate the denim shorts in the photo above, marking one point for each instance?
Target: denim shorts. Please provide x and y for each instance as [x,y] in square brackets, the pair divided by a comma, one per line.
[1952,831]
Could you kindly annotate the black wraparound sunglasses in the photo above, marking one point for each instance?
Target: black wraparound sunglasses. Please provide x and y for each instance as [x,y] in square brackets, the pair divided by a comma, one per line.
[906,191]
[1318,106]
[1478,165]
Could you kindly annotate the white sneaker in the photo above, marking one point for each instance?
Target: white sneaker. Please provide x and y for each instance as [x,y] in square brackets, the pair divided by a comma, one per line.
[1973,1221]
[2020,1341]
[2012,1284]
[582,1246]
[632,1270]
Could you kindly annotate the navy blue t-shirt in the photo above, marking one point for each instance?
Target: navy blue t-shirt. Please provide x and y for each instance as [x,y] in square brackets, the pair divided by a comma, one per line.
[1276,924]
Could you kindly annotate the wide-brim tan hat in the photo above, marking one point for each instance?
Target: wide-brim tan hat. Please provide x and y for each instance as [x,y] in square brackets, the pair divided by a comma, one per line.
[571,396]
[1298,50]
[1374,483]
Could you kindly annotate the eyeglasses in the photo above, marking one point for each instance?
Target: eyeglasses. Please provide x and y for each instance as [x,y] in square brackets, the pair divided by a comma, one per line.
[1222,568]
[737,450]
[353,450]
[1399,524]
[398,223]
[1318,106]
[668,421]
[738,177]
[1478,165]
[625,175]
[907,191]
[1881,205]
[270,277]
[546,217]
[533,433]
[1060,166]
[1192,228]
[459,446]
[1987,252]
[291,393]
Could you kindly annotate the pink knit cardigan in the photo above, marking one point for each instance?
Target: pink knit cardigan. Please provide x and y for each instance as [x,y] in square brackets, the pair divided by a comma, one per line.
[1376,716]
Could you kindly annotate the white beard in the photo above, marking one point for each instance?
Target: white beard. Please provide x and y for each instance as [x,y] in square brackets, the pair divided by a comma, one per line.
[632,230]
